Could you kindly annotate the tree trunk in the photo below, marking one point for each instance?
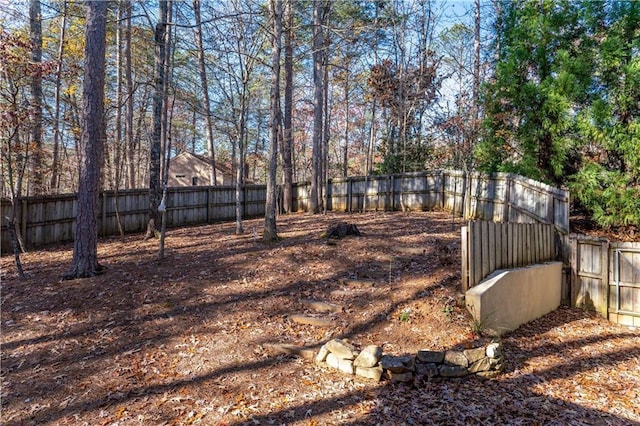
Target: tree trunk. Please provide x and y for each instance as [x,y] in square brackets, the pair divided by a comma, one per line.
[205,94]
[270,232]
[327,128]
[155,186]
[128,112]
[241,158]
[318,114]
[117,160]
[85,249]
[287,146]
[55,170]
[345,153]
[35,35]
[168,70]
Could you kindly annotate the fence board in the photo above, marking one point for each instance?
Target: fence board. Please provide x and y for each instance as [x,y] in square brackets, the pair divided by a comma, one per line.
[606,278]
[493,246]
[497,197]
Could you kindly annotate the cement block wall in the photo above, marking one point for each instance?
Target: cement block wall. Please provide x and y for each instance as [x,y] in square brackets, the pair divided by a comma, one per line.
[508,298]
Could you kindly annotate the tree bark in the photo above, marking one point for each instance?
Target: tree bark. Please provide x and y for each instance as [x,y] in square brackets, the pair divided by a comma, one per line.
[345,153]
[55,169]
[35,35]
[205,93]
[85,249]
[318,113]
[287,146]
[155,186]
[128,111]
[270,232]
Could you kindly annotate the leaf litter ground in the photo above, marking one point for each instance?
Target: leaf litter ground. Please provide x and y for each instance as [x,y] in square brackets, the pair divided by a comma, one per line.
[184,341]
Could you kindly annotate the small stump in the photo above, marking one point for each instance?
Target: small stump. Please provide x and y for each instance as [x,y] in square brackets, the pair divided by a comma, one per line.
[341,230]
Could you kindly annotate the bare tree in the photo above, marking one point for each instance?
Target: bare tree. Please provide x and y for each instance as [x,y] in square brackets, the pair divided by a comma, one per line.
[128,105]
[155,185]
[55,170]
[270,232]
[35,33]
[287,145]
[205,92]
[85,249]
[320,11]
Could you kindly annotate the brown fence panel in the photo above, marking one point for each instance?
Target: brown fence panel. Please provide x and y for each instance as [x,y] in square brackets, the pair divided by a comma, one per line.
[491,246]
[494,197]
[588,272]
[624,283]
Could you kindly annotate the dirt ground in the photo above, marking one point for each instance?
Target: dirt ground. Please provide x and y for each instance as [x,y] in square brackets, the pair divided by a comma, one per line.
[185,340]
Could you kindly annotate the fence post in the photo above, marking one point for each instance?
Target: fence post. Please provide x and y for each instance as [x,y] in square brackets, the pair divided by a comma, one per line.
[103,224]
[244,200]
[349,194]
[464,255]
[23,220]
[573,248]
[393,193]
[604,270]
[507,201]
[442,188]
[208,217]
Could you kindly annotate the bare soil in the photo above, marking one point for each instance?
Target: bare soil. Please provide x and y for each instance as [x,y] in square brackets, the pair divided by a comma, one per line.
[185,340]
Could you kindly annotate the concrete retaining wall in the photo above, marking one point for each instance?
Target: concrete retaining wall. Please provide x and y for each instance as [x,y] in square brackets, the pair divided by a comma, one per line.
[508,298]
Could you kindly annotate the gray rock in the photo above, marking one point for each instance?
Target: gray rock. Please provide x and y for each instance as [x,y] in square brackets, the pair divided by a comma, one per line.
[494,350]
[429,369]
[368,357]
[397,364]
[341,349]
[452,371]
[401,377]
[474,355]
[344,365]
[456,358]
[322,354]
[483,364]
[488,374]
[430,356]
[497,364]
[374,373]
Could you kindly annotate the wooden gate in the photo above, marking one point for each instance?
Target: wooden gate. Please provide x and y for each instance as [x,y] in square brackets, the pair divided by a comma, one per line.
[605,277]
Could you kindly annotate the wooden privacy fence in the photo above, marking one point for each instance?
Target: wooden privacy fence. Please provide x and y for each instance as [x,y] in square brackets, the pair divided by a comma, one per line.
[490,246]
[497,197]
[51,219]
[605,277]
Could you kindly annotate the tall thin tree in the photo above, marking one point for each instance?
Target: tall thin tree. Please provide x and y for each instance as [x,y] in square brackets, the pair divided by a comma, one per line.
[270,232]
[205,93]
[55,166]
[85,248]
[287,145]
[155,184]
[319,8]
[35,34]
[128,111]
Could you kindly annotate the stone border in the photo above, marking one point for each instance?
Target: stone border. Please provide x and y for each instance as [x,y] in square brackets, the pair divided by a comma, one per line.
[486,361]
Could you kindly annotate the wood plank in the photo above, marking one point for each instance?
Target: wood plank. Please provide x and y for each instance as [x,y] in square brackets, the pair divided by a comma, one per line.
[505,246]
[464,256]
[574,281]
[492,252]
[476,238]
[485,249]
[604,278]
